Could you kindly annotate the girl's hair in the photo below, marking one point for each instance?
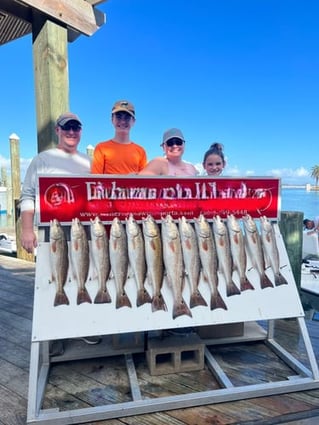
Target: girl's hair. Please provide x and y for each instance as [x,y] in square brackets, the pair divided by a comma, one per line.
[215,149]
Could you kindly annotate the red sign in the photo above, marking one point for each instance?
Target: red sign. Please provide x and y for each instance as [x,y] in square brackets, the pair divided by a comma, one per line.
[85,197]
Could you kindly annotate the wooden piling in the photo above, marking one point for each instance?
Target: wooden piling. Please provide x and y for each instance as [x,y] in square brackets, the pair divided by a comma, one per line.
[291,226]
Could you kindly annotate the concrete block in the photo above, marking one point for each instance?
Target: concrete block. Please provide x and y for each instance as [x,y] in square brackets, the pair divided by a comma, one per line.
[174,354]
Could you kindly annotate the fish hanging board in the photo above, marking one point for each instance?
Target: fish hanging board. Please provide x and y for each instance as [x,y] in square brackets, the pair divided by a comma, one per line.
[129,306]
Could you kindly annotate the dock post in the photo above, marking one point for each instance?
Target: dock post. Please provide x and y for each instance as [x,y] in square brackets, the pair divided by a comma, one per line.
[291,225]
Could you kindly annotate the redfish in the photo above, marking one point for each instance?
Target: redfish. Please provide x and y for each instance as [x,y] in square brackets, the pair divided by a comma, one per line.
[224,255]
[173,261]
[191,260]
[154,261]
[238,252]
[208,258]
[255,251]
[136,255]
[80,259]
[101,259]
[59,260]
[270,248]
[119,261]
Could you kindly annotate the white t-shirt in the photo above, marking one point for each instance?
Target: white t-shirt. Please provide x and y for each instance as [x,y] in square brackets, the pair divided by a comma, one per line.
[51,161]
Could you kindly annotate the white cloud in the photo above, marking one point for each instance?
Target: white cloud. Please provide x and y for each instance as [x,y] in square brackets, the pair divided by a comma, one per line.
[250,173]
[232,171]
[4,162]
[289,172]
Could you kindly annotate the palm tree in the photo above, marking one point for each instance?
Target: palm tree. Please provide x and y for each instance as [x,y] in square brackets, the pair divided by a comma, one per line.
[315,173]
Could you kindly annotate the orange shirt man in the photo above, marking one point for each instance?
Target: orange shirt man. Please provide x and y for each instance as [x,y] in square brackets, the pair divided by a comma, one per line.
[119,155]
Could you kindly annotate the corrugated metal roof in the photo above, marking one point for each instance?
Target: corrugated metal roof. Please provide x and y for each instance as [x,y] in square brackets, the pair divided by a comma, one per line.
[16,19]
[12,27]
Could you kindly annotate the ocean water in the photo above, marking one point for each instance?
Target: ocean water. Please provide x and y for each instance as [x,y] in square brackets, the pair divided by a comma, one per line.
[300,200]
[5,222]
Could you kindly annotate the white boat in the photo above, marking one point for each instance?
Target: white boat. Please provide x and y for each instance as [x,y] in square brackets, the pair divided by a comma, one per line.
[309,283]
[7,244]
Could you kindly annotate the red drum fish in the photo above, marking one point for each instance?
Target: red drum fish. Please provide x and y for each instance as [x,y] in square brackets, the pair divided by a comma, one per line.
[119,261]
[191,260]
[270,248]
[238,252]
[101,259]
[224,255]
[254,249]
[59,260]
[173,261]
[208,258]
[80,259]
[154,261]
[136,255]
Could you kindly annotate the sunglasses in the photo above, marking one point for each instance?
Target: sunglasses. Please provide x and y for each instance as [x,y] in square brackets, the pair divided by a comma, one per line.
[212,164]
[122,116]
[172,142]
[68,127]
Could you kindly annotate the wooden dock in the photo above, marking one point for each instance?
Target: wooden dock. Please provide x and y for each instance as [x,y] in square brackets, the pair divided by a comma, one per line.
[103,380]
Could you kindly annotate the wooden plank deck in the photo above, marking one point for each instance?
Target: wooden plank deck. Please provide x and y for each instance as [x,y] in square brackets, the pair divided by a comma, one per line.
[103,380]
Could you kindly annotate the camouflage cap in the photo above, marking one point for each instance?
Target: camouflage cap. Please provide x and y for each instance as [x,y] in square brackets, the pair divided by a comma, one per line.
[66,117]
[124,106]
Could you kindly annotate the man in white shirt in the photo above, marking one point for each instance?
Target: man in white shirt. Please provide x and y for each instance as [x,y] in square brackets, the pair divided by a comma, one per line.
[63,159]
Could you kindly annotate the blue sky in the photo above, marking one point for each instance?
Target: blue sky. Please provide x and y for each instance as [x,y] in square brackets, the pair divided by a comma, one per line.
[244,73]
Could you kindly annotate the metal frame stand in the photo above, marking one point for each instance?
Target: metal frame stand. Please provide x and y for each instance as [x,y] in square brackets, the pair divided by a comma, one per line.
[305,379]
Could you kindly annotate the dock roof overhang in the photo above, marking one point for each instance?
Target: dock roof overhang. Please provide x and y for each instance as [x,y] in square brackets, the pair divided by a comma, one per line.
[78,16]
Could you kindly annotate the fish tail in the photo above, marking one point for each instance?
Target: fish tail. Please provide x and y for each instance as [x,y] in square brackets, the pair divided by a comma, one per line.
[83,296]
[143,297]
[181,308]
[61,298]
[265,282]
[102,297]
[280,280]
[231,289]
[196,299]
[123,300]
[158,303]
[245,284]
[216,301]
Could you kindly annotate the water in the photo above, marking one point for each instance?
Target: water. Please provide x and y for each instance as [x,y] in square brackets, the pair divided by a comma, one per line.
[6,221]
[300,200]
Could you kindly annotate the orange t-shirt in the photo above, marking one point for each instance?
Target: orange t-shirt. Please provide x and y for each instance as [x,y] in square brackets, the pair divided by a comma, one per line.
[111,157]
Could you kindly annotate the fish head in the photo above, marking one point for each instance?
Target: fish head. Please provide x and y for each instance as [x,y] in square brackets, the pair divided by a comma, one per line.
[56,231]
[232,223]
[117,228]
[219,226]
[249,223]
[97,228]
[130,218]
[132,227]
[202,227]
[185,227]
[168,219]
[265,224]
[77,229]
[169,227]
[150,227]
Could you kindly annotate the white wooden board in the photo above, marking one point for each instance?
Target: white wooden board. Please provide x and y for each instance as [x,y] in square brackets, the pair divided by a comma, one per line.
[70,321]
